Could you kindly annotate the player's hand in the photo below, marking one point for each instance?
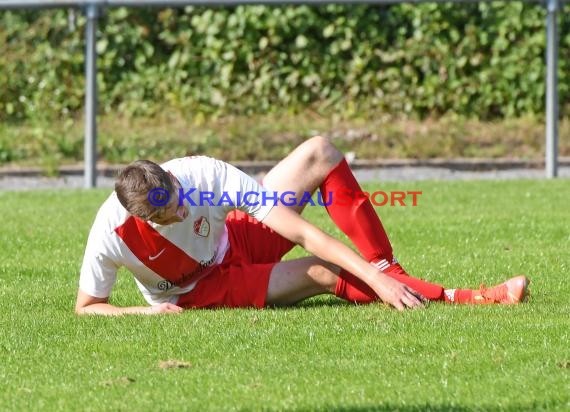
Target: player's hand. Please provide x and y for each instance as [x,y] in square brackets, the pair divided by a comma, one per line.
[397,294]
[163,308]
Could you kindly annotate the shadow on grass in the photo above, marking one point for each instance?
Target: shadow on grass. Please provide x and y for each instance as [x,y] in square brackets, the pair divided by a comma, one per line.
[530,406]
[317,302]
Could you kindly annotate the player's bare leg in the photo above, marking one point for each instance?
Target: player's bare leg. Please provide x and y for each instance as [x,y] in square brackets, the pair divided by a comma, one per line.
[294,280]
[304,169]
[317,163]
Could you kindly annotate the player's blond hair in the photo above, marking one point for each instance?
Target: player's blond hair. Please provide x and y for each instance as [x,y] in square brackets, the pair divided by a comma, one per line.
[134,184]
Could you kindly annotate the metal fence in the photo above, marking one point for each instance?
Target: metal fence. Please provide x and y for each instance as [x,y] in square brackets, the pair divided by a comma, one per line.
[92,9]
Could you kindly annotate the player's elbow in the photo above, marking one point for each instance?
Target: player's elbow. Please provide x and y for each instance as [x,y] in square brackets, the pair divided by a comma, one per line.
[80,308]
[84,300]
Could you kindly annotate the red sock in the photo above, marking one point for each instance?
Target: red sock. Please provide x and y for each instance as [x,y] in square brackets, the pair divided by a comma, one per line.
[356,218]
[430,291]
[350,288]
[386,266]
[460,296]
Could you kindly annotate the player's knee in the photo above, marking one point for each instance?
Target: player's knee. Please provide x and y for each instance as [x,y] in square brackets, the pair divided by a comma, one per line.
[323,275]
[324,151]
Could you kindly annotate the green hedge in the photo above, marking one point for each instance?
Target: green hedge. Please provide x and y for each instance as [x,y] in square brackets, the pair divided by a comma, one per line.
[482,60]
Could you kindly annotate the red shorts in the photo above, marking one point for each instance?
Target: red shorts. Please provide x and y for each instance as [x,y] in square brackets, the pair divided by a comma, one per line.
[242,278]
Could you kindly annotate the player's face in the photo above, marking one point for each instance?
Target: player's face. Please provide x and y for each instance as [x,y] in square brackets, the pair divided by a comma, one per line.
[173,212]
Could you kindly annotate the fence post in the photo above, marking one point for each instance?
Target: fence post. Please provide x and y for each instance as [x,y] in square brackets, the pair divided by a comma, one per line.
[551,148]
[90,152]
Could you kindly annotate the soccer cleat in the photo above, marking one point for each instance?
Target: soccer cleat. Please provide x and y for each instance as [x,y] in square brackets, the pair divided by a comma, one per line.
[511,292]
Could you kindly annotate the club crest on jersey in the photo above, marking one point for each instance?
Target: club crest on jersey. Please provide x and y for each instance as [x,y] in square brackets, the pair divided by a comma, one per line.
[202,226]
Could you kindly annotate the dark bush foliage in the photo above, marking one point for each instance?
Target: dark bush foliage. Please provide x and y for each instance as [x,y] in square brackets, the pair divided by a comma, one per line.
[483,60]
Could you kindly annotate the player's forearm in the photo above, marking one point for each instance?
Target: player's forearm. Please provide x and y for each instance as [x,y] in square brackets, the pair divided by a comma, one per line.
[111,310]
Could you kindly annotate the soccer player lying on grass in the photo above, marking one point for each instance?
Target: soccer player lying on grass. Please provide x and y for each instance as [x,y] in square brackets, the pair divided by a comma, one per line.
[187,253]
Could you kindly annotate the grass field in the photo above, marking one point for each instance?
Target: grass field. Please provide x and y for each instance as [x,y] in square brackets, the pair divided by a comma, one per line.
[322,355]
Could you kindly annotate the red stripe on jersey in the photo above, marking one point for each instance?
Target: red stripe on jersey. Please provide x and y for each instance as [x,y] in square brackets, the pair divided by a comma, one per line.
[158,253]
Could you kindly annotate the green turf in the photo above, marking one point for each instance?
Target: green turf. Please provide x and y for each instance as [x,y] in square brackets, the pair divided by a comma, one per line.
[322,355]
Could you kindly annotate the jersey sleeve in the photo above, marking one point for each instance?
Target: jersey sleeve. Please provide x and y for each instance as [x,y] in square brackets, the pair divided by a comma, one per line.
[99,270]
[244,192]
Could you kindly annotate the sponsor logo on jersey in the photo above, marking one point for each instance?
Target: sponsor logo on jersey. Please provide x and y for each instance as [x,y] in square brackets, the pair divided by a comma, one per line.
[165,285]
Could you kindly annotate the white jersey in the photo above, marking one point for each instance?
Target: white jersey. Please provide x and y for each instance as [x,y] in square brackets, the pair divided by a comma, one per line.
[168,261]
